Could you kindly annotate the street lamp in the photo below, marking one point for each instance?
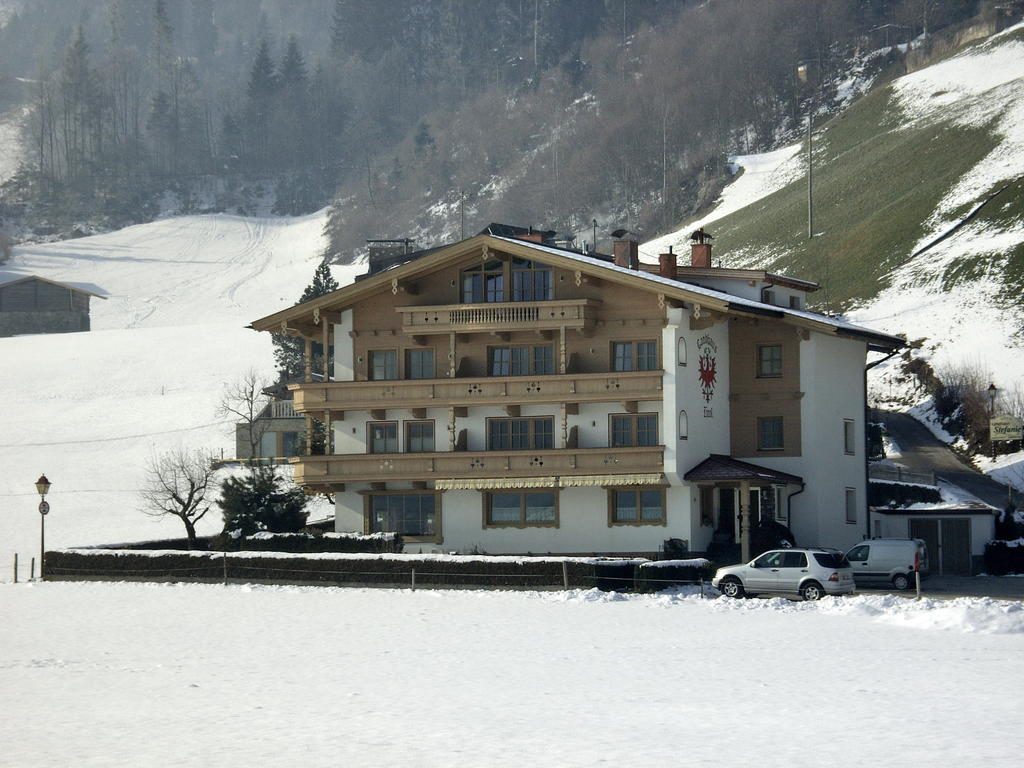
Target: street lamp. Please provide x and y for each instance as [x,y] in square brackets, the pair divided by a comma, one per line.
[42,487]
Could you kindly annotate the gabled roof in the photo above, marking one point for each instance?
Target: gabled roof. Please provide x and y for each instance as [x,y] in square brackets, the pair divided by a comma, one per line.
[707,298]
[720,468]
[6,280]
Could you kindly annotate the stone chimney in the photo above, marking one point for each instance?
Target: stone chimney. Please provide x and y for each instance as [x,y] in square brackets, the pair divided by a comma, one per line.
[627,253]
[667,264]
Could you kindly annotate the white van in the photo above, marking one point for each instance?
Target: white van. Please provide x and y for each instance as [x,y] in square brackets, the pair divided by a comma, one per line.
[888,561]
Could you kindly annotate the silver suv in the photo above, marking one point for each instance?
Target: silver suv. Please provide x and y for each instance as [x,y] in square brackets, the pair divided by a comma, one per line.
[811,573]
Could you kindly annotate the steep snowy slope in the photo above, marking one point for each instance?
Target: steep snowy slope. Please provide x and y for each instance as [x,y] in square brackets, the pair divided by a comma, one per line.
[90,409]
[905,165]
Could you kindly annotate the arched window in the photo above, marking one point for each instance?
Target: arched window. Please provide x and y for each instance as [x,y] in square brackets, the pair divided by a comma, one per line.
[683,425]
[681,354]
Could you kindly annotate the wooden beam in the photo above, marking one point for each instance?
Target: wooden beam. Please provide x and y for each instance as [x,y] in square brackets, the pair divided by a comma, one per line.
[378,414]
[630,406]
[378,486]
[512,410]
[419,485]
[571,408]
[503,335]
[419,413]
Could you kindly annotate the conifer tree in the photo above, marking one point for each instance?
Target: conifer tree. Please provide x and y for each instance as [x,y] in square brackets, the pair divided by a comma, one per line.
[288,350]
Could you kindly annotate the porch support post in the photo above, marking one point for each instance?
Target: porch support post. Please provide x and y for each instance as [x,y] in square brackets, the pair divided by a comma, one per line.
[308,359]
[309,434]
[327,346]
[451,429]
[745,520]
[451,355]
[561,350]
[328,437]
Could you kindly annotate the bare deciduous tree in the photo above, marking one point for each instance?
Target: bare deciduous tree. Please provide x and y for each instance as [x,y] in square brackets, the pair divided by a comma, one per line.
[176,485]
[245,399]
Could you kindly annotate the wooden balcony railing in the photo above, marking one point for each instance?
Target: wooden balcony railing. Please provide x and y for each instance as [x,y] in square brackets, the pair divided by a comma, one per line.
[314,471]
[317,397]
[499,316]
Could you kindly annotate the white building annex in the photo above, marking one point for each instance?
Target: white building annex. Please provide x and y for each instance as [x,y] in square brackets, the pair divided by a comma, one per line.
[505,395]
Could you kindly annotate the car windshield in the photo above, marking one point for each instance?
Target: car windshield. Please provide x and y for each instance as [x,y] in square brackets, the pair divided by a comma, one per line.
[831,560]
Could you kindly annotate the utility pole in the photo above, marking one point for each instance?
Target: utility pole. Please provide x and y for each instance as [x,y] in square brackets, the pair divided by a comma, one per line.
[810,174]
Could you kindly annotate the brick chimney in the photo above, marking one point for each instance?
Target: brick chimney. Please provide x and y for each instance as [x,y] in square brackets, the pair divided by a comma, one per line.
[667,264]
[627,253]
[700,255]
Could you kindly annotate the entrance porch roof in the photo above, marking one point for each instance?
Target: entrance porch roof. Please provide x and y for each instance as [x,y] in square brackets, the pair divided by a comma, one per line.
[718,468]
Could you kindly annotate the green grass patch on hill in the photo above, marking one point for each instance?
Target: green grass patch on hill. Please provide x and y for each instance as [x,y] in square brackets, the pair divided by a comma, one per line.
[875,184]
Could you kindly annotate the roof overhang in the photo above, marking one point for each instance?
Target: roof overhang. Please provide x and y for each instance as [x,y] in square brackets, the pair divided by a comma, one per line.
[305,316]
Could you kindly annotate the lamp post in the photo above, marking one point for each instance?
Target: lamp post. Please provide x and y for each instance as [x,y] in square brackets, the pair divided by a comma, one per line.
[991,414]
[43,487]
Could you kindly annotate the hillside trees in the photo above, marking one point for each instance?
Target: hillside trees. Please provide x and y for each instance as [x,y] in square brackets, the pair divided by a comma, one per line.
[569,107]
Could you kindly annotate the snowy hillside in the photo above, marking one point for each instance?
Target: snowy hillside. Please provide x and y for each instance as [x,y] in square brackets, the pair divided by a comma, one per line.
[90,409]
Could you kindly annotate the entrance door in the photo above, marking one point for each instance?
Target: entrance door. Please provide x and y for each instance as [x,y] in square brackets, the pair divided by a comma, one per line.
[956,547]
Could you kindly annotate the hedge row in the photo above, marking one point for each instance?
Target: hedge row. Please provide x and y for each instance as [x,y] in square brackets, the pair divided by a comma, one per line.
[1001,558]
[393,570]
[901,495]
[318,541]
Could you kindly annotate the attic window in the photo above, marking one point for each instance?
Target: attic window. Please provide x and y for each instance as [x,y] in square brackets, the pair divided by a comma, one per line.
[794,302]
[531,281]
[485,283]
[767,296]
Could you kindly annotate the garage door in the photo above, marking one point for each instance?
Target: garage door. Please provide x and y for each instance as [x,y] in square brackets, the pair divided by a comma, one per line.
[949,544]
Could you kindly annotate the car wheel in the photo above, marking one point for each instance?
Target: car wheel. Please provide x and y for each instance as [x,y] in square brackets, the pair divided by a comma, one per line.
[731,587]
[901,580]
[812,590]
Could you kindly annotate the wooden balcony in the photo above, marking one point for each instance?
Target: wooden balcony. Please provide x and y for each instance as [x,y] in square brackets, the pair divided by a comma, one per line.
[499,317]
[335,470]
[319,396]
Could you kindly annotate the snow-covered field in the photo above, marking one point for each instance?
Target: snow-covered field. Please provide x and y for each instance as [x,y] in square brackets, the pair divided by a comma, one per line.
[90,409]
[160,675]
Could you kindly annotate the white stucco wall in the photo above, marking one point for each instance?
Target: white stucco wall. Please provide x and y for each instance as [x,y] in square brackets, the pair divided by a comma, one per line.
[583,525]
[832,380]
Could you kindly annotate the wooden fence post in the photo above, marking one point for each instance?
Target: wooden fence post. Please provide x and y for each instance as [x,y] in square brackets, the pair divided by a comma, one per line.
[565,575]
[413,579]
[32,570]
[15,567]
[224,559]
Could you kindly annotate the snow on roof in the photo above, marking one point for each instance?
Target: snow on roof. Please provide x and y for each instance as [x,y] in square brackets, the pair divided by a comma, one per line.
[738,301]
[93,290]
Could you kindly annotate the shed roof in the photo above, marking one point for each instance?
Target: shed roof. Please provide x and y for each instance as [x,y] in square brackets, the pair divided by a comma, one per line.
[12,279]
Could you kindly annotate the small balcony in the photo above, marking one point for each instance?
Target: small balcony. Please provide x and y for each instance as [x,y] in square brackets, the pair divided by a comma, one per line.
[317,397]
[499,317]
[335,470]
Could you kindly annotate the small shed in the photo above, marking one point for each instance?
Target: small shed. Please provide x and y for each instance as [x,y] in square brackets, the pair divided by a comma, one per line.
[34,304]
